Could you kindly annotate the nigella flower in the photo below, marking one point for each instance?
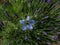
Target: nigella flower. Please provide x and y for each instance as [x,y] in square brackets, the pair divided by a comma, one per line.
[27,24]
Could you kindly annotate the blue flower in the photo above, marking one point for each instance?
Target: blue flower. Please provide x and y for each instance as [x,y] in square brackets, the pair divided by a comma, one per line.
[27,24]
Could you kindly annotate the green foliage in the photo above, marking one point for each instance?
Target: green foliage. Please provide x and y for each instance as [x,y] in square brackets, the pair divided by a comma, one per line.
[46,16]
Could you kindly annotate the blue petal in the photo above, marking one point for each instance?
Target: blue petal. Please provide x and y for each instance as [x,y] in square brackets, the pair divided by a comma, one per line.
[32,22]
[30,27]
[22,21]
[24,28]
[27,18]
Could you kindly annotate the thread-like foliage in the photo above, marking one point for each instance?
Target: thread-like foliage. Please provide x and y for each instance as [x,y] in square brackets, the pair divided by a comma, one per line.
[44,13]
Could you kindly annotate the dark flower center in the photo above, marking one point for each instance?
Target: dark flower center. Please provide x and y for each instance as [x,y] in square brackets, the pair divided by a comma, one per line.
[27,22]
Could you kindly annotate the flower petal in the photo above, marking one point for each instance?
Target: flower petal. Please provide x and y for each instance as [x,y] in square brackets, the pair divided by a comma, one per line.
[27,18]
[30,27]
[24,28]
[22,21]
[32,22]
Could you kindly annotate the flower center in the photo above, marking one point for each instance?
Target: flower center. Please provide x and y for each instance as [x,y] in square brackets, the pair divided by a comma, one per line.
[27,22]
